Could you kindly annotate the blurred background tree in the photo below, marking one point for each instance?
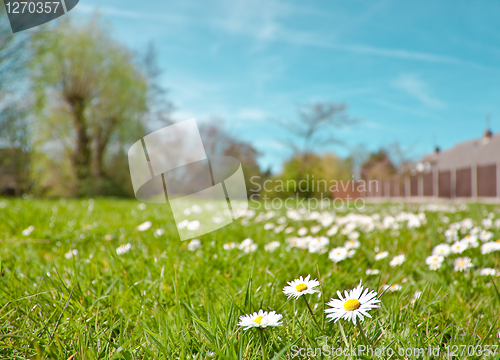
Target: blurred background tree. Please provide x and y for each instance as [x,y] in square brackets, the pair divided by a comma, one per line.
[315,177]
[91,102]
[378,166]
[219,142]
[316,126]
[15,146]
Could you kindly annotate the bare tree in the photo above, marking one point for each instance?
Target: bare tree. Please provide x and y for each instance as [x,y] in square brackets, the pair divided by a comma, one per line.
[401,154]
[159,107]
[315,127]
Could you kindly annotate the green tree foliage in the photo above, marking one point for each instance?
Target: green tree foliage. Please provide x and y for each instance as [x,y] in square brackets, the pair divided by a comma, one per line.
[91,99]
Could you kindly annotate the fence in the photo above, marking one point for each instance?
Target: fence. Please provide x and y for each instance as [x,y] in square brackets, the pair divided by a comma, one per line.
[466,182]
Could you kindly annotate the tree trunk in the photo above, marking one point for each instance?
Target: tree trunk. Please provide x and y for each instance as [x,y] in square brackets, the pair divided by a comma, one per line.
[82,156]
[102,137]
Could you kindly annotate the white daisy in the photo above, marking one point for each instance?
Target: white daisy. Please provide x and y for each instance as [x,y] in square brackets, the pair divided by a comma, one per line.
[301,286]
[462,264]
[435,266]
[489,247]
[193,225]
[289,230]
[229,246]
[122,249]
[194,244]
[249,248]
[332,231]
[392,288]
[261,319]
[441,249]
[159,232]
[144,226]
[485,235]
[351,244]
[353,235]
[28,231]
[273,245]
[268,226]
[245,243]
[302,231]
[302,242]
[318,244]
[337,254]
[315,229]
[356,304]
[279,229]
[71,253]
[487,271]
[381,255]
[458,247]
[471,241]
[397,260]
[434,259]
[372,271]
[217,219]
[182,224]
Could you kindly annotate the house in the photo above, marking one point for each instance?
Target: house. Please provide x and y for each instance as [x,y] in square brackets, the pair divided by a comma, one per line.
[470,169]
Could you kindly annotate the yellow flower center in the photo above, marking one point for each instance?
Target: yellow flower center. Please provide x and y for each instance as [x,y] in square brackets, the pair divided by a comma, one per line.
[461,263]
[352,304]
[301,287]
[258,319]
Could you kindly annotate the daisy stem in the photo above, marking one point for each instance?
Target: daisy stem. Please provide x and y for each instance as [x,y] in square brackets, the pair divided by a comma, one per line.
[262,343]
[312,314]
[363,335]
[343,335]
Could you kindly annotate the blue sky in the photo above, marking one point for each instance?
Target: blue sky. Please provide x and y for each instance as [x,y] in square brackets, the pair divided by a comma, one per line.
[421,73]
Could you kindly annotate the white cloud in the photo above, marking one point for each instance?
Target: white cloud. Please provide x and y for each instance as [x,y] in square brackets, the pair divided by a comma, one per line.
[252,114]
[418,89]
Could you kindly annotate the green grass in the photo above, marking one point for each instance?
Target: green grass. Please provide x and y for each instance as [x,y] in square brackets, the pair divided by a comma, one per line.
[161,301]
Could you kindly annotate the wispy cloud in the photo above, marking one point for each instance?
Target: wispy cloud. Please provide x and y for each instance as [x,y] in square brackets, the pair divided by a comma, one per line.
[265,22]
[418,89]
[252,114]
[129,14]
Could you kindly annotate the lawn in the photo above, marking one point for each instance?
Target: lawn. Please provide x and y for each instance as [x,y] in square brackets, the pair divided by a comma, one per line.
[90,279]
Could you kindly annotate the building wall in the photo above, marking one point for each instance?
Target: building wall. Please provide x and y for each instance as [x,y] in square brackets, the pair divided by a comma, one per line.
[487,180]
